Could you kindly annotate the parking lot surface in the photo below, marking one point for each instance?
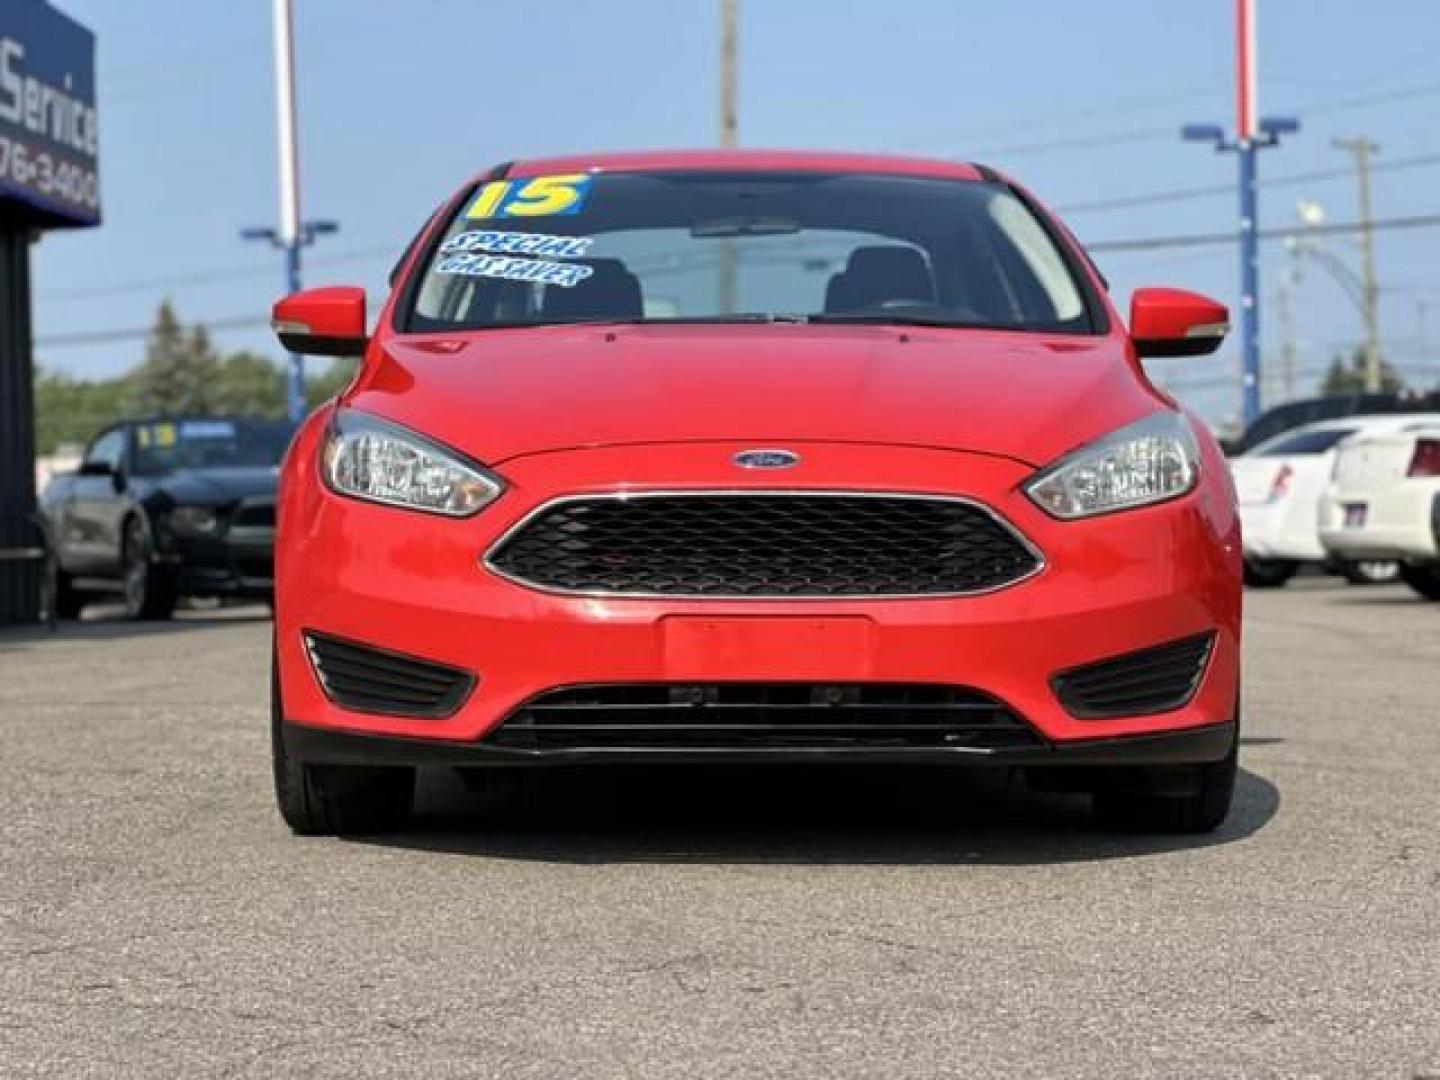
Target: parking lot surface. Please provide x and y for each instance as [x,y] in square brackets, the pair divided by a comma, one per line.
[156,919]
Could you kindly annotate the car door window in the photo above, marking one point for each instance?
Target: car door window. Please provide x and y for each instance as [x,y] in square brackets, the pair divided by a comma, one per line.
[108,448]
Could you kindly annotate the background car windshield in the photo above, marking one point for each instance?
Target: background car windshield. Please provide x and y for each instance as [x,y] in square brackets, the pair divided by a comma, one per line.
[209,444]
[1304,442]
[712,246]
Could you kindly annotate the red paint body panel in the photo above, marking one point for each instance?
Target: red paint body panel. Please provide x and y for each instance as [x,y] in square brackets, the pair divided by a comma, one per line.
[569,410]
[403,582]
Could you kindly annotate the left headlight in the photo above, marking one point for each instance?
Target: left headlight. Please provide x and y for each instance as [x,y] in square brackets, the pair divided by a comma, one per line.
[194,521]
[1148,462]
[367,458]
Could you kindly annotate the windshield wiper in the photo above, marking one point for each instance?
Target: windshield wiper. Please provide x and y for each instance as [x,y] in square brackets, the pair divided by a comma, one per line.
[904,320]
[636,320]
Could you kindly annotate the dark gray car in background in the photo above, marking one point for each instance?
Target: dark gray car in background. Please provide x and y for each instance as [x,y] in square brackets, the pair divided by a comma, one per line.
[163,508]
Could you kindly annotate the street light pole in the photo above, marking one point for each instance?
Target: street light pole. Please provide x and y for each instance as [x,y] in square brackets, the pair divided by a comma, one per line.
[726,273]
[1361,149]
[1251,134]
[293,234]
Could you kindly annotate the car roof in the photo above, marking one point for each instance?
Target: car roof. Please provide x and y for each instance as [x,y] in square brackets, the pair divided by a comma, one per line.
[751,161]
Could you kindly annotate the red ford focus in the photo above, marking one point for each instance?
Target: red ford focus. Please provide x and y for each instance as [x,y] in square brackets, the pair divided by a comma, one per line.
[754,457]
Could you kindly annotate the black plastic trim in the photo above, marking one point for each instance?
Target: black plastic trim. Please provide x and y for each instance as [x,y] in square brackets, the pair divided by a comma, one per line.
[1183,661]
[1190,746]
[413,677]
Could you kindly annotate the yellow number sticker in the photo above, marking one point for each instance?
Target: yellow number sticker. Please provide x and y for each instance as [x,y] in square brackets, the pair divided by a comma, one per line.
[544,196]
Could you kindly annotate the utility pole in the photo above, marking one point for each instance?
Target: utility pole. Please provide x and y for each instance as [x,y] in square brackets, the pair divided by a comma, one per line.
[729,114]
[1360,149]
[293,233]
[725,286]
[1251,134]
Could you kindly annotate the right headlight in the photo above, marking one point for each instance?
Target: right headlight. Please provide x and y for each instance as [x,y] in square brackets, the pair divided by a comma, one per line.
[1147,462]
[371,459]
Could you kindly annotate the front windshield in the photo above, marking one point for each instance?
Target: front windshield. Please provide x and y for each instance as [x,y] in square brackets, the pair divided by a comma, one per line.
[209,444]
[707,246]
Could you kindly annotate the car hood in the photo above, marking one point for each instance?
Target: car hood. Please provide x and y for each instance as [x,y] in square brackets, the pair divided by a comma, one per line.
[220,485]
[500,394]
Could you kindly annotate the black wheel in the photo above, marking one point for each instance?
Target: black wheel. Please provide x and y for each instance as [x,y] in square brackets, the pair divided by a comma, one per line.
[151,589]
[1370,572]
[1269,573]
[1169,799]
[1425,580]
[335,800]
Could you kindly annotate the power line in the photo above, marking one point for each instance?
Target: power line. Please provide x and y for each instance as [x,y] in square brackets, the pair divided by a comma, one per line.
[1150,243]
[1125,202]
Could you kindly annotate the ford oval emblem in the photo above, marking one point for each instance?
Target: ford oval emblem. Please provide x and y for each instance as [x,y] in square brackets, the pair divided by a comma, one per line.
[767,459]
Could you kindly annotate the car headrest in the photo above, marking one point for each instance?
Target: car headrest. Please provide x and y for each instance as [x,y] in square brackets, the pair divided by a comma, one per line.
[609,290]
[879,273]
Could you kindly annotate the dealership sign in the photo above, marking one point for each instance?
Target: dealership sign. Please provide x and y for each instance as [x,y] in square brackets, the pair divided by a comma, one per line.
[49,126]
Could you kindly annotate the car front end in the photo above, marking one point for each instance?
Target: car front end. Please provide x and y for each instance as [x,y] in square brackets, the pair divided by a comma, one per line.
[558,518]
[578,619]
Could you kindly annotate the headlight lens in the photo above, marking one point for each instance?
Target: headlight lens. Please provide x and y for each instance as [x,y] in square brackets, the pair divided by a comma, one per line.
[367,458]
[1147,462]
[194,521]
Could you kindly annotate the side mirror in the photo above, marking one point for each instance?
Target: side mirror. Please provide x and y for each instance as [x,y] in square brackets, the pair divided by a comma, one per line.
[1173,322]
[95,468]
[322,322]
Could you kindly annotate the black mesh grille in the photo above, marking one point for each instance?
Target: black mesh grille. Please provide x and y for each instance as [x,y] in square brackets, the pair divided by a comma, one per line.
[1149,681]
[765,545]
[375,681]
[726,716]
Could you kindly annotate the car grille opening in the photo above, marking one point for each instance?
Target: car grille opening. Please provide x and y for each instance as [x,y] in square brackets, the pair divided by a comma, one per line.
[1151,680]
[254,515]
[763,716]
[765,545]
[371,680]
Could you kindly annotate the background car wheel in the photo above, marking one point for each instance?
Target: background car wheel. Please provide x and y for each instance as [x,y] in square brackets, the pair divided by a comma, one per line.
[335,800]
[150,590]
[1425,580]
[1370,572]
[1269,573]
[1170,799]
[60,599]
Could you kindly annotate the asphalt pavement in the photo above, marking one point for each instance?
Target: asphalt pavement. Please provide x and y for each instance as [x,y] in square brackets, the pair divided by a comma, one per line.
[156,919]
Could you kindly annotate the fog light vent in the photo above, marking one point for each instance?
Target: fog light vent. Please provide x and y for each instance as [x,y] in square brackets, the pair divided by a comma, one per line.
[366,679]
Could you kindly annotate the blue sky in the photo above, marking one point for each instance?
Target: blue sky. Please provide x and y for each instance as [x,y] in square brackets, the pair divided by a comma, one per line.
[400,102]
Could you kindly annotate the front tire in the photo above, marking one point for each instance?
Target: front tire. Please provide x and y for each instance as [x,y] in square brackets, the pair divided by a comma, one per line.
[151,589]
[1425,580]
[335,800]
[1170,799]
[1269,573]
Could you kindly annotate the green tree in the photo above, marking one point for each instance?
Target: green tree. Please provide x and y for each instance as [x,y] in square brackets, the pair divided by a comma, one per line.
[71,411]
[249,384]
[322,386]
[177,373]
[1343,379]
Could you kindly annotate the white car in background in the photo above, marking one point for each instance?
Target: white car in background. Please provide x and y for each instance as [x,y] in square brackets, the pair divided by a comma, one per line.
[1383,502]
[1279,483]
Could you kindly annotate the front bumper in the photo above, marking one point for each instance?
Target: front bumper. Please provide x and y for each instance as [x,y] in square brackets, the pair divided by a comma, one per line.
[1280,530]
[317,746]
[416,585]
[240,561]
